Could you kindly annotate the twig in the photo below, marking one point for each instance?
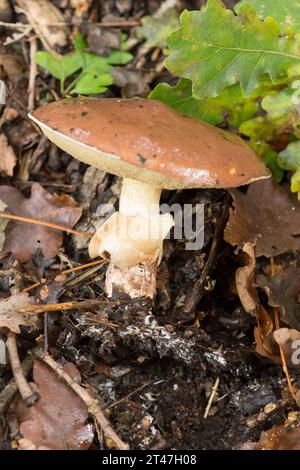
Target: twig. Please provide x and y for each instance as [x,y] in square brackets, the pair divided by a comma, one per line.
[277,326]
[32,73]
[41,308]
[198,290]
[115,403]
[106,24]
[67,271]
[11,388]
[45,224]
[91,403]
[211,398]
[29,397]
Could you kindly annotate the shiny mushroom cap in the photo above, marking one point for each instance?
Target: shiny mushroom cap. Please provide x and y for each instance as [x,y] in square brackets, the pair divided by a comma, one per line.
[148,141]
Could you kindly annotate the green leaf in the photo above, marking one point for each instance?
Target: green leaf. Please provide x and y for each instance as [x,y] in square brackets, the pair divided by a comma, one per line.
[89,83]
[230,105]
[286,12]
[95,62]
[119,58]
[59,68]
[156,29]
[215,49]
[295,183]
[80,43]
[289,159]
[278,104]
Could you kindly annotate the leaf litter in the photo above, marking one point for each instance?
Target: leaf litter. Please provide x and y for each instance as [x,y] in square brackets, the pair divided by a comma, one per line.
[24,239]
[59,419]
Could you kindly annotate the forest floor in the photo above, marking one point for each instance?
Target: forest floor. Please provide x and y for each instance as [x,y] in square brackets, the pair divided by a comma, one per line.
[152,366]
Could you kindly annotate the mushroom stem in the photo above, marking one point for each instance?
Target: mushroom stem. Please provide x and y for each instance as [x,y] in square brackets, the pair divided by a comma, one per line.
[139,199]
[133,241]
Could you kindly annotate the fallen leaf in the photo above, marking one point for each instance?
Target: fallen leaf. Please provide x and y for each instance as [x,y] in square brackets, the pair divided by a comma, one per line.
[132,82]
[24,239]
[42,13]
[263,334]
[8,158]
[102,40]
[259,215]
[283,291]
[9,316]
[58,420]
[244,278]
[277,438]
[12,65]
[247,292]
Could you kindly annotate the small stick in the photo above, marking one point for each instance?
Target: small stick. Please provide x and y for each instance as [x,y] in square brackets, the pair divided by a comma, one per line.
[32,73]
[45,224]
[211,398]
[91,403]
[29,397]
[67,271]
[277,326]
[41,308]
[106,24]
[9,391]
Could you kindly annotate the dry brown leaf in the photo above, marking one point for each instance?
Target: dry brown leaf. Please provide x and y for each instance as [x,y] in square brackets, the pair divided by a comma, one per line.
[12,65]
[258,216]
[283,291]
[24,239]
[244,278]
[8,157]
[277,438]
[9,316]
[246,290]
[58,420]
[41,14]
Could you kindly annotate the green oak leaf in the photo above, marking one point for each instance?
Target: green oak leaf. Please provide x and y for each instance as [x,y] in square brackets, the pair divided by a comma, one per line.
[215,49]
[286,12]
[295,183]
[289,159]
[156,29]
[279,104]
[230,105]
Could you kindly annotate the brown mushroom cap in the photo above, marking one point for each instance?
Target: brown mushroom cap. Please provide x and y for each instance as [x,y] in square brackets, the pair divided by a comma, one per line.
[148,141]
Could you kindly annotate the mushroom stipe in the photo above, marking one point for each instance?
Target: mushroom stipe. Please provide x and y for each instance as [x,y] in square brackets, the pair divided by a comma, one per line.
[152,147]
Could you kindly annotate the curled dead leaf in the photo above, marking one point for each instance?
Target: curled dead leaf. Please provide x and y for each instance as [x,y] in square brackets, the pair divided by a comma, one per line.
[24,239]
[244,278]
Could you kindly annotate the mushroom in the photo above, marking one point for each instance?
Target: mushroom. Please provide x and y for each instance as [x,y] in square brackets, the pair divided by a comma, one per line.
[152,147]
